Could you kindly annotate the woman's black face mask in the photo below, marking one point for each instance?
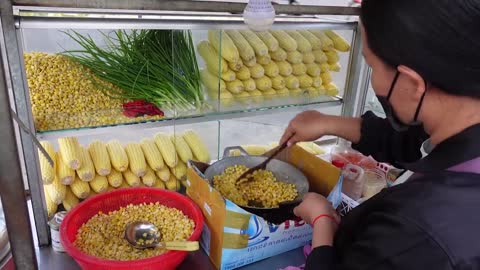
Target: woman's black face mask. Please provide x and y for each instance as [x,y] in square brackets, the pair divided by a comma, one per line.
[395,122]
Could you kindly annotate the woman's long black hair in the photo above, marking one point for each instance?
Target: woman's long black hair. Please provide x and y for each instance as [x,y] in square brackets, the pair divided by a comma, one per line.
[440,39]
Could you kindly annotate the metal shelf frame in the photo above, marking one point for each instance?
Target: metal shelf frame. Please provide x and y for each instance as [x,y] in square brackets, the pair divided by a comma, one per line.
[124,14]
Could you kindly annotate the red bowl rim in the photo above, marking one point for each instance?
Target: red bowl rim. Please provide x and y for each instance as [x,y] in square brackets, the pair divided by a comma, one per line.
[77,254]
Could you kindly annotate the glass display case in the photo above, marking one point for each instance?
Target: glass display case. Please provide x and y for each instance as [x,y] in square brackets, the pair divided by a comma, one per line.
[127,72]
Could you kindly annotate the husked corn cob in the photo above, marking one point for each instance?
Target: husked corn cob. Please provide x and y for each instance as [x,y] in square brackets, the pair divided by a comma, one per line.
[326,77]
[256,95]
[250,63]
[332,57]
[339,42]
[278,83]
[131,179]
[314,41]
[313,92]
[211,58]
[235,66]
[198,147]
[87,171]
[325,67]
[228,76]
[242,97]
[118,156]
[317,82]
[136,159]
[320,56]
[264,83]
[257,71]
[80,188]
[226,98]
[64,173]
[327,43]
[284,92]
[115,178]
[56,190]
[294,57]
[70,149]
[101,160]
[257,44]
[149,178]
[110,188]
[235,86]
[51,205]
[296,92]
[172,183]
[279,55]
[152,154]
[163,174]
[269,93]
[249,85]
[264,60]
[99,184]
[243,74]
[308,58]
[313,70]
[47,170]
[271,70]
[159,184]
[183,150]
[292,82]
[299,69]
[269,40]
[284,68]
[180,170]
[125,184]
[244,49]
[302,43]
[335,67]
[321,90]
[167,148]
[224,44]
[331,89]
[305,81]
[212,82]
[70,200]
[285,41]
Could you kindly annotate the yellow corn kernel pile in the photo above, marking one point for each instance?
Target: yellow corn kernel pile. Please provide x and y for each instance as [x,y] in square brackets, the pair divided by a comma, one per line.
[103,235]
[263,188]
[64,96]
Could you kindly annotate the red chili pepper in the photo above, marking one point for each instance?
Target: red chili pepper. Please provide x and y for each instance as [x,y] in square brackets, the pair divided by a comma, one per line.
[138,108]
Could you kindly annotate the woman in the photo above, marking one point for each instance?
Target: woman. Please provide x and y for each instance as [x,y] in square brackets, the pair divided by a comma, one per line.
[425,59]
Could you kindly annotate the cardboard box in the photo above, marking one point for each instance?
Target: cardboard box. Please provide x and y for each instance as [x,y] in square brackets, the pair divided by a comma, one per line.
[233,237]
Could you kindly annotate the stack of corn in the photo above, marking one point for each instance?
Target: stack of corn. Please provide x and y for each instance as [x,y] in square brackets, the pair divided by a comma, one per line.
[66,95]
[271,63]
[259,149]
[82,171]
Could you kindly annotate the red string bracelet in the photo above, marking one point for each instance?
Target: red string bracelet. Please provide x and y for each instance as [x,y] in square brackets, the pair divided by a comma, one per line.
[324,216]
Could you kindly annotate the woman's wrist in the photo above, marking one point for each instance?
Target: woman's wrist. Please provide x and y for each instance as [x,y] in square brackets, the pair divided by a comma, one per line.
[323,232]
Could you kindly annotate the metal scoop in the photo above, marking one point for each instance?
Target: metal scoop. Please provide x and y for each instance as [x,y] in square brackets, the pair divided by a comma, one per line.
[142,235]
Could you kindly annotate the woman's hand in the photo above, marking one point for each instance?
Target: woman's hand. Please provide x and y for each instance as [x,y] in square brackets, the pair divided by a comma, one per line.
[307,126]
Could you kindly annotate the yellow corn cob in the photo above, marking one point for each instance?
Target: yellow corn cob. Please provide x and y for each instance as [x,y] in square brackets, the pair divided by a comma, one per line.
[327,43]
[167,148]
[235,66]
[131,179]
[70,150]
[47,170]
[257,44]
[115,178]
[87,171]
[339,43]
[314,41]
[317,82]
[335,67]
[159,184]
[226,98]
[80,188]
[244,49]
[163,174]
[101,160]
[149,178]
[211,58]
[228,76]
[279,55]
[325,67]
[313,92]
[292,82]
[256,95]
[136,159]
[51,205]
[302,43]
[326,77]
[308,58]
[264,83]
[320,57]
[331,89]
[172,183]
[125,184]
[296,92]
[285,41]
[110,188]
[242,97]
[183,150]
[271,70]
[332,57]
[243,74]
[64,173]
[278,83]
[249,85]
[235,86]
[269,40]
[269,93]
[152,154]
[305,81]
[264,60]
[199,149]
[284,92]
[70,200]
[223,44]
[294,57]
[321,90]
[99,184]
[56,190]
[299,69]
[118,156]
[250,63]
[257,71]
[212,82]
[284,68]
[313,70]
[180,170]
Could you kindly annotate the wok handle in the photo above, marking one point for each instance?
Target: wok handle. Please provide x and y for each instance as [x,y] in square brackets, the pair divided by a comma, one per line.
[228,150]
[287,208]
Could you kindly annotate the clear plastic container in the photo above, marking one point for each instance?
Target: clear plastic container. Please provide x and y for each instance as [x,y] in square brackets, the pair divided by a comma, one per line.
[375,181]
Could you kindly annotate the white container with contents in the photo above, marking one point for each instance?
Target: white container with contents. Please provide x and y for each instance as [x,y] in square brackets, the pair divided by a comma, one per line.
[54,224]
[375,181]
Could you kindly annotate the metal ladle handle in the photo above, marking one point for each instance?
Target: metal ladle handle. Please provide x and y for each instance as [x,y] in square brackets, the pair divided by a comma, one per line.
[180,245]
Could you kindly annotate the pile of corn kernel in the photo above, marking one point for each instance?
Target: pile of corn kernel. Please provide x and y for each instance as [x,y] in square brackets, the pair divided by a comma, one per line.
[102,235]
[264,188]
[64,96]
